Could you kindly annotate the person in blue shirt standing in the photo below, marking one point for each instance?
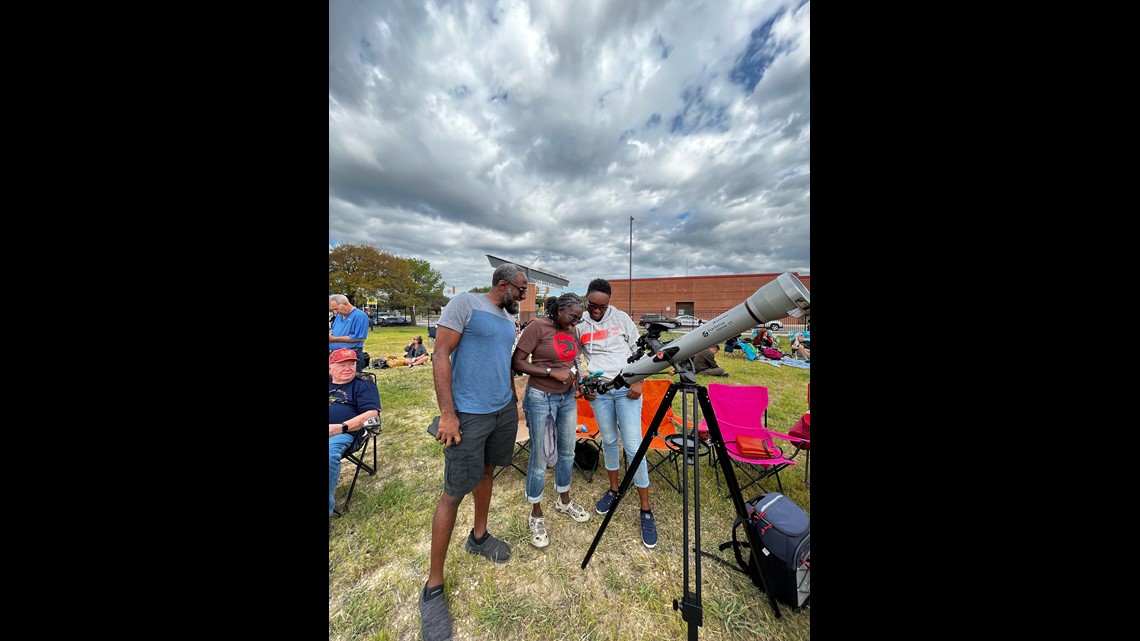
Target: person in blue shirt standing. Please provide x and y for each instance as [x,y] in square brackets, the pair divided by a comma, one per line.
[477,425]
[349,328]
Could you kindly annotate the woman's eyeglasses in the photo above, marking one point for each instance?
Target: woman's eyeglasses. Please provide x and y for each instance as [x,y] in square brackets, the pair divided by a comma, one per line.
[574,320]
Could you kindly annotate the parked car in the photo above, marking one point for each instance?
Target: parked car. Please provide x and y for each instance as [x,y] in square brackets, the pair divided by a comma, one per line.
[647,319]
[687,320]
[390,321]
[773,326]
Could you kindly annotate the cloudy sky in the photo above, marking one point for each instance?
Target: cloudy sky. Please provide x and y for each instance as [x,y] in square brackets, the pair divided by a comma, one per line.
[534,129]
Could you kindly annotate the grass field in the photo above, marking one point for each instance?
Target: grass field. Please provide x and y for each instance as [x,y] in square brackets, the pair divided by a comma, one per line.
[378,551]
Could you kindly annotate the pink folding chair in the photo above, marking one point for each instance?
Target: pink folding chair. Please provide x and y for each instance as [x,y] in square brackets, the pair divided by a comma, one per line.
[743,410]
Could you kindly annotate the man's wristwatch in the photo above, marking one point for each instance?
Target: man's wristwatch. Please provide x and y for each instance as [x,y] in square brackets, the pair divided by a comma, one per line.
[344,428]
[547,372]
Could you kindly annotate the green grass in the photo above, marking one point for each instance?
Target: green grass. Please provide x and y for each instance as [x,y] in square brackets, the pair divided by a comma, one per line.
[378,551]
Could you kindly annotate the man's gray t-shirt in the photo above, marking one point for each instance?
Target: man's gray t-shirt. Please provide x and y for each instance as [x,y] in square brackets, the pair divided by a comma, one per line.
[481,363]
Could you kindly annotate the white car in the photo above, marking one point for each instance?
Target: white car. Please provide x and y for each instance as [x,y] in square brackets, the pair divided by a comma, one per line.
[773,326]
[685,320]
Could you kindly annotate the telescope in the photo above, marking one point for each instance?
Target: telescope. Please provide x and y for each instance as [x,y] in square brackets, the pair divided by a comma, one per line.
[784,296]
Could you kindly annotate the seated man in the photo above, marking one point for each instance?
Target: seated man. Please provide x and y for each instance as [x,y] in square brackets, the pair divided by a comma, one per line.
[705,363]
[352,401]
[415,353]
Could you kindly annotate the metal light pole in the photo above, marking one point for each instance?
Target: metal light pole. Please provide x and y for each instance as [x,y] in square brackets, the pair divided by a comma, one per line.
[630,308]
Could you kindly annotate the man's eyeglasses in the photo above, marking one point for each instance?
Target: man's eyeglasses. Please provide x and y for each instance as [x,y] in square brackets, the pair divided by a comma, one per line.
[522,290]
[595,306]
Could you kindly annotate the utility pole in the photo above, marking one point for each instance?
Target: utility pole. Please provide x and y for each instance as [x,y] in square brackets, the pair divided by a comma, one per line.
[630,308]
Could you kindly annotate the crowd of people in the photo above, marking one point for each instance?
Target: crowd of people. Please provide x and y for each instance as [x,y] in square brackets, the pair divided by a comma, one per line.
[478,351]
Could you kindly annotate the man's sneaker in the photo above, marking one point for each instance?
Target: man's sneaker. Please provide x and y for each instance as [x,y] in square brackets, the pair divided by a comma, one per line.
[606,502]
[537,527]
[648,530]
[494,549]
[435,620]
[572,510]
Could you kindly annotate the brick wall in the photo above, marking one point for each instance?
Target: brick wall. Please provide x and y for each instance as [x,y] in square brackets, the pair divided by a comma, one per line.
[709,295]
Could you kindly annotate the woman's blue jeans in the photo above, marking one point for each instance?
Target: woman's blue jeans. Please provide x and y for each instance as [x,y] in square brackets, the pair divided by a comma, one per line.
[613,409]
[540,407]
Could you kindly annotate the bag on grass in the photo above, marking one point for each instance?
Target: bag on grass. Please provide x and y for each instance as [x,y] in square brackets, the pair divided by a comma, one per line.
[771,353]
[785,533]
[585,456]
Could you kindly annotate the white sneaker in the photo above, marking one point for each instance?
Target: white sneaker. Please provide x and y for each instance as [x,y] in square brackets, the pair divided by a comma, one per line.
[572,510]
[537,527]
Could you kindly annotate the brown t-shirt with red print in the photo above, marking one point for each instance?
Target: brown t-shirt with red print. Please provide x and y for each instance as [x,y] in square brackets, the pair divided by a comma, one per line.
[550,347]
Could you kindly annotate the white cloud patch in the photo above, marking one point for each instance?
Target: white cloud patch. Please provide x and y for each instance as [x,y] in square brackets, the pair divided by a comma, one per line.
[533,131]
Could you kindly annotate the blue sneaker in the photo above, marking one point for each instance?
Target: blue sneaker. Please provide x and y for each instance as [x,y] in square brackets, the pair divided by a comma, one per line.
[606,502]
[648,530]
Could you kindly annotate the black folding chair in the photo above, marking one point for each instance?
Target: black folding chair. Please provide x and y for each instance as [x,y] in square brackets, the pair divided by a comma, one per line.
[356,455]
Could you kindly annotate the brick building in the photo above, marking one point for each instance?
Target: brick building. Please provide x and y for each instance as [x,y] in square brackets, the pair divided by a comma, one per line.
[702,296]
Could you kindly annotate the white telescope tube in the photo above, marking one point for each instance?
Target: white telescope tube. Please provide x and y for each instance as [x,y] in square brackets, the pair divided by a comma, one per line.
[785,296]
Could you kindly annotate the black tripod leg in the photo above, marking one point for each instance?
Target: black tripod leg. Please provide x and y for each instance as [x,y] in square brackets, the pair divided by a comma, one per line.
[717,441]
[646,441]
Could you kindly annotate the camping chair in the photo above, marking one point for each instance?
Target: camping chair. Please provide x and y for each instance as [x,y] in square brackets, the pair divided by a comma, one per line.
[749,351]
[670,434]
[743,410]
[652,393]
[522,434]
[357,453]
[589,435]
[431,334]
[732,346]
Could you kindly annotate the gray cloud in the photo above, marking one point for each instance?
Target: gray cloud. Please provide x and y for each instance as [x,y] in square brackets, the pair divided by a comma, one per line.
[533,131]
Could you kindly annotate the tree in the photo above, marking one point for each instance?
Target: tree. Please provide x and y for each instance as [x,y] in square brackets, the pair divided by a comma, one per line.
[426,287]
[359,271]
[479,290]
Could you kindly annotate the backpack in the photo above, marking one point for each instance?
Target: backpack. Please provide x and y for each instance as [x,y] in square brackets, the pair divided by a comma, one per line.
[585,456]
[785,531]
[771,353]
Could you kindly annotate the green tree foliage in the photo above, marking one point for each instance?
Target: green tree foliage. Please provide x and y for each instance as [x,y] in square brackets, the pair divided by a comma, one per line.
[479,290]
[426,287]
[360,271]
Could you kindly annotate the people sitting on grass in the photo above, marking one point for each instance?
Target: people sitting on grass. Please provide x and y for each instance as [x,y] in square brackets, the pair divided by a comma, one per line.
[762,338]
[705,362]
[415,353]
[800,347]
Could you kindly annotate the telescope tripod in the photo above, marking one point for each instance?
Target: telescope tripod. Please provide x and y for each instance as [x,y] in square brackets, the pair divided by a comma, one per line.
[692,394]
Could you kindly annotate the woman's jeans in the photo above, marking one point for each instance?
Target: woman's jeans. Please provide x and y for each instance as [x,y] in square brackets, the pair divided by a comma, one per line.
[540,407]
[611,410]
[337,445]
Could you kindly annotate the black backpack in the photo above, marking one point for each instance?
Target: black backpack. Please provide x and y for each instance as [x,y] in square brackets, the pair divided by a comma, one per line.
[785,531]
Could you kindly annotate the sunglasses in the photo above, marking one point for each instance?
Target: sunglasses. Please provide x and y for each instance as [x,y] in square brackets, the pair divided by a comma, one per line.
[522,290]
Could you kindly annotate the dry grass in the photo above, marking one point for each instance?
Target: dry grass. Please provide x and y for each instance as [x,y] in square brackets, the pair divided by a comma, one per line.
[378,552]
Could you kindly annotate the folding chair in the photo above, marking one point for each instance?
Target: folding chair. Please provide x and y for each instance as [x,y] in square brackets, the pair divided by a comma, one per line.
[522,434]
[749,351]
[652,393]
[589,435]
[431,334]
[743,410]
[359,451]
